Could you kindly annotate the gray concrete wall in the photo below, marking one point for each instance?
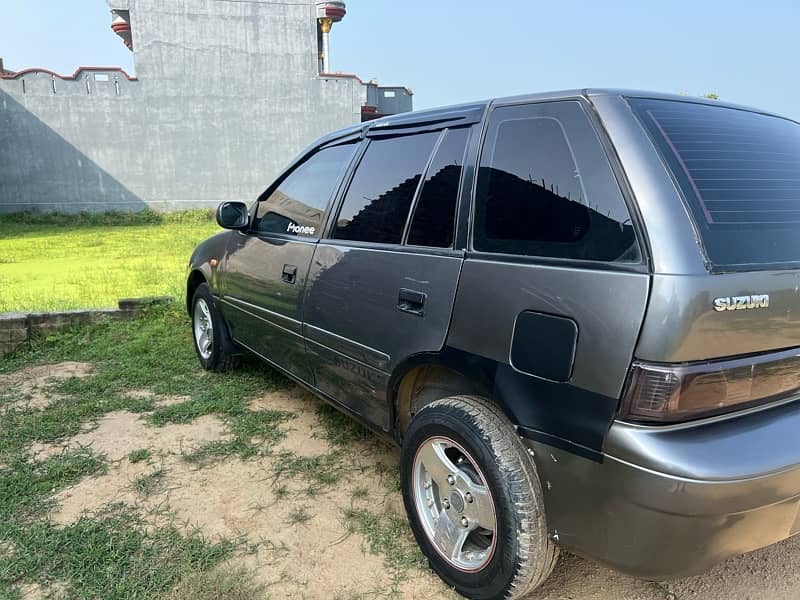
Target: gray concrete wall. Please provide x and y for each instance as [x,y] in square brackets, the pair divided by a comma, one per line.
[226,94]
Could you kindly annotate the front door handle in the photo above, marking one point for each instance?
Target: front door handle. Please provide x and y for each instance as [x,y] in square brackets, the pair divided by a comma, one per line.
[411,301]
[289,274]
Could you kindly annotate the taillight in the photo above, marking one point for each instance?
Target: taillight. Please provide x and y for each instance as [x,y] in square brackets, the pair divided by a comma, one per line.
[681,392]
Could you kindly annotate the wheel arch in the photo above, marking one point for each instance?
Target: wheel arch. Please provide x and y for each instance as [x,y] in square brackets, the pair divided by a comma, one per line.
[424,378]
[196,277]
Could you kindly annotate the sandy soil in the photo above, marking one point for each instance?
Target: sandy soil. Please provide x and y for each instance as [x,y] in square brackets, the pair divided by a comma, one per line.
[119,433]
[31,385]
[319,558]
[34,591]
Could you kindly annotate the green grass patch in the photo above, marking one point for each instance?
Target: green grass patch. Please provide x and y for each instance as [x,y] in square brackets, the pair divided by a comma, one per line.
[253,431]
[227,583]
[115,554]
[281,492]
[360,492]
[26,486]
[139,455]
[298,516]
[388,535]
[60,262]
[324,469]
[147,484]
[112,555]
[19,427]
[153,352]
[241,445]
[109,218]
[340,429]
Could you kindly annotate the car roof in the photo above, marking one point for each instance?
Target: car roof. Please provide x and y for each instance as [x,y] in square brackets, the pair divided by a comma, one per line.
[444,112]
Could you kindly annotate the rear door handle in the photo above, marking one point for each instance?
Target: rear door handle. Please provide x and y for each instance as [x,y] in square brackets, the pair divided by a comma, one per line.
[289,274]
[411,301]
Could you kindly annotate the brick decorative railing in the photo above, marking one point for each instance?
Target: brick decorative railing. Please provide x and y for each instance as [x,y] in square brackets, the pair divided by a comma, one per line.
[17,328]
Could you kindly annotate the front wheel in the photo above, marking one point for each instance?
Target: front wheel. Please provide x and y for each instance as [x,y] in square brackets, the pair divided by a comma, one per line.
[474,500]
[211,341]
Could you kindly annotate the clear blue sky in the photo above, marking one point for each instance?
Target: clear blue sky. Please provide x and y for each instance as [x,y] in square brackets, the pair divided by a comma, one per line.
[451,51]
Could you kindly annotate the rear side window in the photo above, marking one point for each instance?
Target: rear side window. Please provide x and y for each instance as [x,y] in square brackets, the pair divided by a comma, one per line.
[434,217]
[546,189]
[739,172]
[298,204]
[377,203]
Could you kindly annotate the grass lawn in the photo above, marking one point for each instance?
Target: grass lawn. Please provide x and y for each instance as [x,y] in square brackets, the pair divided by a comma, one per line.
[141,547]
[139,540]
[61,262]
[115,553]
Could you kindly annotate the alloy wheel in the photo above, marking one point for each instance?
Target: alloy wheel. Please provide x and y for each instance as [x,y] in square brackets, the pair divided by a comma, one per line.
[203,328]
[454,504]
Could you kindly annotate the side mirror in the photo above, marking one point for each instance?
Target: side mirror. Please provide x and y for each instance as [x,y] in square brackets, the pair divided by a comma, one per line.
[233,215]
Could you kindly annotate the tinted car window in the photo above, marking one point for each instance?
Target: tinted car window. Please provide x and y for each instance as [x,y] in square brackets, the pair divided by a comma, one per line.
[376,206]
[434,216]
[298,204]
[740,174]
[546,189]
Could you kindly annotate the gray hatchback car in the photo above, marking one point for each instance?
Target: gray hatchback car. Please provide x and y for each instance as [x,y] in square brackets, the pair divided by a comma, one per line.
[577,312]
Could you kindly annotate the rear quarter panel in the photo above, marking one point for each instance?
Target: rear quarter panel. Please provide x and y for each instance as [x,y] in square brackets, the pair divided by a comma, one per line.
[608,307]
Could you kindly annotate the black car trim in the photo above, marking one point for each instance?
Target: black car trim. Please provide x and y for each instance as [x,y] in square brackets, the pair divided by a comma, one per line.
[274,236]
[578,417]
[342,140]
[332,213]
[423,122]
[562,263]
[415,199]
[561,443]
[465,193]
[398,248]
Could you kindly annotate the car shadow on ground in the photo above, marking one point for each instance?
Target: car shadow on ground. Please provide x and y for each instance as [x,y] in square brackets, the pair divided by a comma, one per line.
[772,573]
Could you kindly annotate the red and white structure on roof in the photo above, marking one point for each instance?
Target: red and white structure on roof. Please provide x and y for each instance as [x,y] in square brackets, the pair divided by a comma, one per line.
[121,25]
[328,13]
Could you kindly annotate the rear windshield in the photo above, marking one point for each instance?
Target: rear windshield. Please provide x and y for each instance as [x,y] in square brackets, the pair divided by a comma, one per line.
[740,174]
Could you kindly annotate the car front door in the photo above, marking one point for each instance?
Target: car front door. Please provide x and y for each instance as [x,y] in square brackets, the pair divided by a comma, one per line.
[266,267]
[382,284]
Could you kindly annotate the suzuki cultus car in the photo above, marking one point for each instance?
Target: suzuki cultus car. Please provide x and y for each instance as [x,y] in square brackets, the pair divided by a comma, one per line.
[578,313]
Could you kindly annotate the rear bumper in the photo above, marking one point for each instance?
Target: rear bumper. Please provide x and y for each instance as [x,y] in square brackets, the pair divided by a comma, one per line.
[673,502]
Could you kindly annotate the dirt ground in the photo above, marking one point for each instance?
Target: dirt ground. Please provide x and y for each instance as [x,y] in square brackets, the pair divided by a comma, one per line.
[305,548]
[33,384]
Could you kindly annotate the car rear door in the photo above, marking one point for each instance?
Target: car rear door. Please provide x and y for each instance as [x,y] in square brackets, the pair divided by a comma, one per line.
[266,268]
[555,274]
[382,283]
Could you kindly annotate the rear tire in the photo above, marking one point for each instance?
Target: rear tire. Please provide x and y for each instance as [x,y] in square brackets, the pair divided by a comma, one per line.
[474,500]
[212,343]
